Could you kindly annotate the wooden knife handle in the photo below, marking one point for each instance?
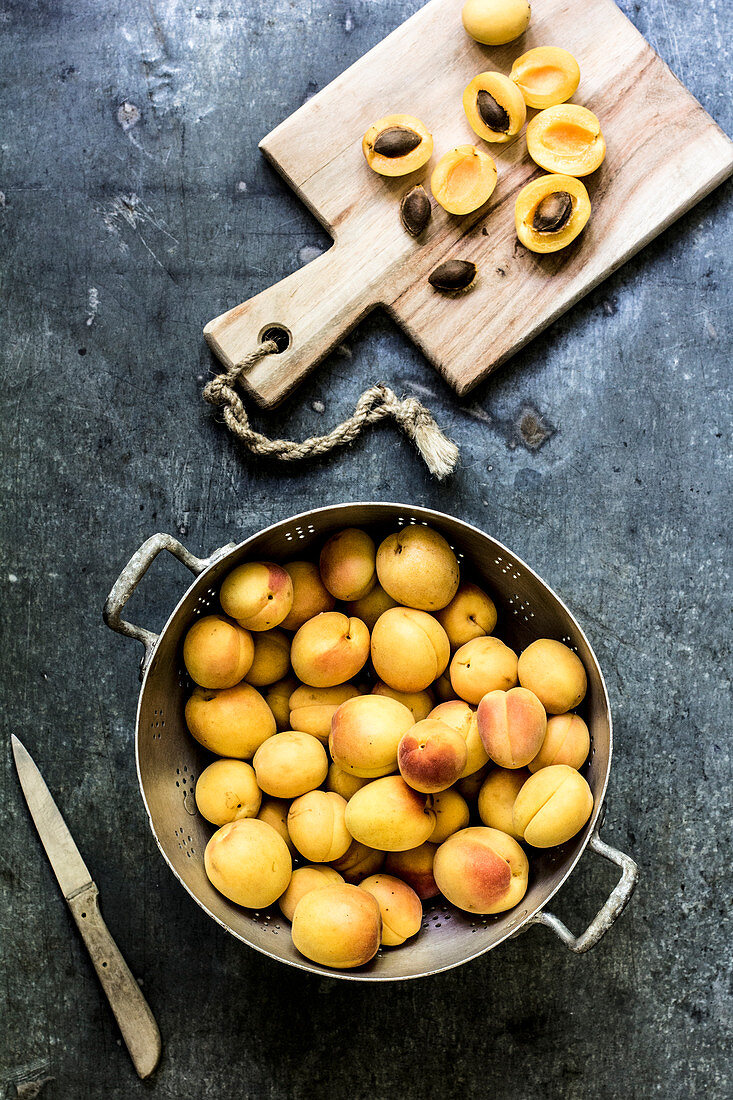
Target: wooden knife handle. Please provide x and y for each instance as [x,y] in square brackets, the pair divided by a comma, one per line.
[133,1015]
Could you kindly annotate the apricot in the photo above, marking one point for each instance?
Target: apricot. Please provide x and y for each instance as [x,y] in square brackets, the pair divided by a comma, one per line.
[303,880]
[552,806]
[415,867]
[431,756]
[470,786]
[443,688]
[481,870]
[329,649]
[227,790]
[338,926]
[389,815]
[290,764]
[546,76]
[481,665]
[371,606]
[399,905]
[316,826]
[512,726]
[310,595]
[463,179]
[554,673]
[417,568]
[566,139]
[311,709]
[231,722]
[248,862]
[409,649]
[567,741]
[275,812]
[451,812]
[419,703]
[347,564]
[461,717]
[358,862]
[342,782]
[277,697]
[271,658]
[497,796]
[550,212]
[494,107]
[217,652]
[258,595]
[365,734]
[470,614]
[495,22]
[397,144]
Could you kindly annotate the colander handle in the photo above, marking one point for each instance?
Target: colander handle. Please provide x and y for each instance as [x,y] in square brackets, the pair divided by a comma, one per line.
[608,913]
[130,578]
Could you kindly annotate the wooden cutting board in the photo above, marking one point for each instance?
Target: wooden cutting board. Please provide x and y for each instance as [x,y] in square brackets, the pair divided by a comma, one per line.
[664,154]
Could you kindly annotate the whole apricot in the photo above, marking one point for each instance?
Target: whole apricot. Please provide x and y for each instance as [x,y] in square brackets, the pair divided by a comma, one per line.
[495,22]
[554,673]
[217,652]
[512,726]
[431,756]
[399,905]
[419,703]
[277,697]
[231,722]
[248,862]
[329,649]
[358,862]
[552,806]
[497,797]
[317,827]
[342,782]
[371,606]
[258,595]
[227,790]
[275,812]
[567,741]
[470,786]
[470,614]
[365,734]
[443,688]
[415,867]
[417,568]
[409,649]
[310,595]
[347,564]
[304,879]
[290,764]
[451,812]
[483,665]
[271,658]
[481,870]
[338,926]
[311,709]
[461,717]
[389,815]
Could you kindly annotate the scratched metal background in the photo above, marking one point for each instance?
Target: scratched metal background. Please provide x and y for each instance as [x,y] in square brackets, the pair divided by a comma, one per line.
[134,207]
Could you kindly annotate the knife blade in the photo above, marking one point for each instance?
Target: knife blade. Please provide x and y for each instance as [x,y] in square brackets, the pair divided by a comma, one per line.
[132,1012]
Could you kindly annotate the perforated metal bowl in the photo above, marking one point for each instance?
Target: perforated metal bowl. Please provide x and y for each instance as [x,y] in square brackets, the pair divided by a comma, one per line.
[169,760]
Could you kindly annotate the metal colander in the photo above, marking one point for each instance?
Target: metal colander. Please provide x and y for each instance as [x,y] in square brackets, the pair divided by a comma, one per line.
[169,760]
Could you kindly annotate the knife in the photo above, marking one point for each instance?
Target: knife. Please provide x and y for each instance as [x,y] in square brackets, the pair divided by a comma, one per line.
[131,1010]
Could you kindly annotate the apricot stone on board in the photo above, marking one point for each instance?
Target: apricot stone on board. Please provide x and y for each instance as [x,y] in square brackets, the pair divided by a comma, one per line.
[310,595]
[227,790]
[347,564]
[329,649]
[303,880]
[258,595]
[463,179]
[512,726]
[417,568]
[233,722]
[338,926]
[494,107]
[554,673]
[431,756]
[415,867]
[461,717]
[311,709]
[495,22]
[481,665]
[399,905]
[290,764]
[546,76]
[566,139]
[567,741]
[271,660]
[358,862]
[451,812]
[419,703]
[497,796]
[397,144]
[389,815]
[550,212]
[365,735]
[217,652]
[470,614]
[552,806]
[317,827]
[248,862]
[409,649]
[481,870]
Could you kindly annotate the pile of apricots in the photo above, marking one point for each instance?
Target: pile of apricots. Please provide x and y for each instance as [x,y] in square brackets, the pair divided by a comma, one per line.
[564,138]
[370,727]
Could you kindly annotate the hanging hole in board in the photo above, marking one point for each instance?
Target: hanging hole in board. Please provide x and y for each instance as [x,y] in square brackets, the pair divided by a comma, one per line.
[279,335]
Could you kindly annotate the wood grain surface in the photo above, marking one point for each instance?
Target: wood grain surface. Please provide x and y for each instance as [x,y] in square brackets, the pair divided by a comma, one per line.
[664,154]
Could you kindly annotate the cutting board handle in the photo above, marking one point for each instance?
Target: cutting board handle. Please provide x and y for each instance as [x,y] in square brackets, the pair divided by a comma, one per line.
[313,309]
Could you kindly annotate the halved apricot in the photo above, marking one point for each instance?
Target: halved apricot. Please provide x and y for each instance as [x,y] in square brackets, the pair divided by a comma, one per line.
[463,179]
[550,212]
[494,107]
[546,76]
[566,139]
[397,144]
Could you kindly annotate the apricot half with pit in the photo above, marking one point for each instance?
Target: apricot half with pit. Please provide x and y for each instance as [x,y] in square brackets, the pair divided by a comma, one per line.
[397,144]
[550,212]
[494,107]
[566,139]
[546,76]
[463,179]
